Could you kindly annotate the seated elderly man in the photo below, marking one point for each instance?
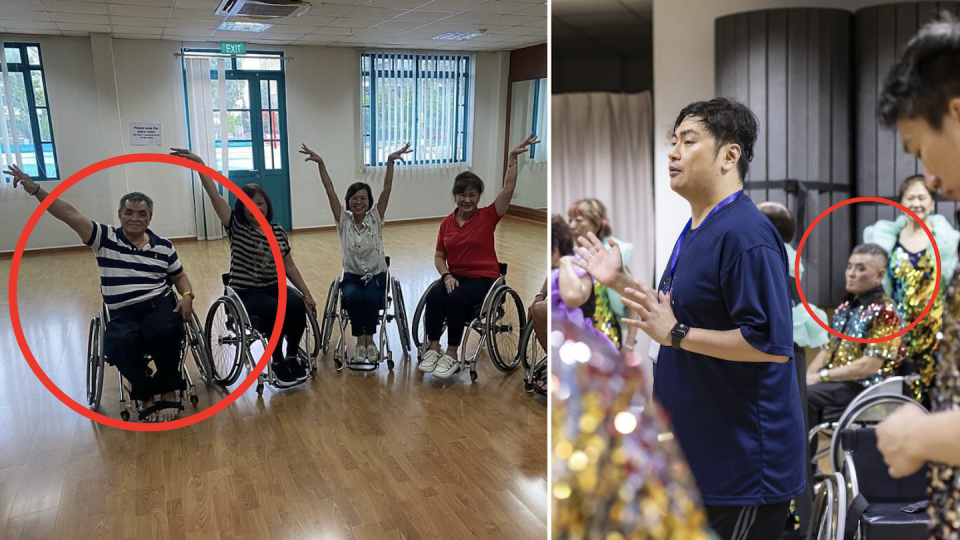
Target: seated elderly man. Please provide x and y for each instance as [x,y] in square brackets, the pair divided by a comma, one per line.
[145,317]
[844,368]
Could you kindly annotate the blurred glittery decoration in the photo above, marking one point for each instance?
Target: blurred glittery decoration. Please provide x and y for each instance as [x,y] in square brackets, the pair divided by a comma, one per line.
[613,477]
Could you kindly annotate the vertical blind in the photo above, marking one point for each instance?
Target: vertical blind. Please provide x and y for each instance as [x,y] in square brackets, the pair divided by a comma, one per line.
[423,99]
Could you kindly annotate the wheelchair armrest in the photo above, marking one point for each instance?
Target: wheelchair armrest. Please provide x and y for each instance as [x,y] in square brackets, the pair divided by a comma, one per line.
[387,258]
[503,269]
[225,278]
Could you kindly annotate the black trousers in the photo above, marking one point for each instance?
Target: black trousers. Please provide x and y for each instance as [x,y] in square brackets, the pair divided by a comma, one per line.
[763,522]
[148,327]
[828,394]
[456,308]
[261,305]
[363,301]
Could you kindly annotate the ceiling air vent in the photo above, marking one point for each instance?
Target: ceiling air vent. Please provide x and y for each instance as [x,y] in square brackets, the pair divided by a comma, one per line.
[272,9]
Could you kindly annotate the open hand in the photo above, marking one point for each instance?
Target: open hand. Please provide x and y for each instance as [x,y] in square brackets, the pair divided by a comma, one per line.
[451,283]
[654,309]
[21,178]
[398,155]
[186,154]
[605,266]
[311,155]
[525,145]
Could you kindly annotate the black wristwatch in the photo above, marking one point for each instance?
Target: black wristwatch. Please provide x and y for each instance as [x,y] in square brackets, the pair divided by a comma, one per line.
[679,332]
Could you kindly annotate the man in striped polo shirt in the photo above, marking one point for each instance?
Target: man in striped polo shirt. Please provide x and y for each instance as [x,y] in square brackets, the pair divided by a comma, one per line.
[136,267]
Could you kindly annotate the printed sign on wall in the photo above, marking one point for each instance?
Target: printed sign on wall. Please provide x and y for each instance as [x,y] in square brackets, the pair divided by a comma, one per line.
[144,134]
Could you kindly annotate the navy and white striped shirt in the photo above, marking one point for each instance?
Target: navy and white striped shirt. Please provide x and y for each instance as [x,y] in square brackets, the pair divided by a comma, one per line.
[129,275]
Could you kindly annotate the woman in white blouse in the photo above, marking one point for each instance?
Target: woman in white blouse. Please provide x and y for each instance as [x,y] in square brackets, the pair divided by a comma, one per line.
[360,225]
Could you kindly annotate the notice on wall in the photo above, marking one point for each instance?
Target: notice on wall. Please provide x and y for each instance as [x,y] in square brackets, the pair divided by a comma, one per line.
[145,134]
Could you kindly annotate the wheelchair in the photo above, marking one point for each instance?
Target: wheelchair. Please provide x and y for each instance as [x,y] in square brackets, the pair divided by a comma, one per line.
[499,321]
[534,360]
[394,309]
[96,364]
[230,336]
[867,409]
[867,504]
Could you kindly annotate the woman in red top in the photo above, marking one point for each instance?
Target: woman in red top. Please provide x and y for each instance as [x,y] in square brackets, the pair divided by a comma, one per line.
[467,261]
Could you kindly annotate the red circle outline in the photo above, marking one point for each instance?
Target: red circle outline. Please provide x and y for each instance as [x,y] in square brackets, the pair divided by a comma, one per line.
[70,402]
[936,252]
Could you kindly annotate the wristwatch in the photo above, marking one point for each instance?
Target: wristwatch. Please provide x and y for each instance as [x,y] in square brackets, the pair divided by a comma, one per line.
[679,332]
[824,375]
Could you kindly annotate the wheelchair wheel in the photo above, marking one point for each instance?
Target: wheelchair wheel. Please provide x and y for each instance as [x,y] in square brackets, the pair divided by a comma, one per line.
[329,314]
[309,344]
[225,337]
[869,412]
[400,314]
[198,348]
[418,327]
[505,322]
[95,362]
[530,349]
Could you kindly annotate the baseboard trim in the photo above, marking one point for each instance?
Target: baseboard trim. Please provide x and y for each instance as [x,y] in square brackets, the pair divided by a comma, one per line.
[529,214]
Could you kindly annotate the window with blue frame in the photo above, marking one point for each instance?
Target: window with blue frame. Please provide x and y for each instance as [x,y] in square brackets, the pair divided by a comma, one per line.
[25,113]
[420,98]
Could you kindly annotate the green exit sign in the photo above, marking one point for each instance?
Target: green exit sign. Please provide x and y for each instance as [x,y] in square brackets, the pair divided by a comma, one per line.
[233,48]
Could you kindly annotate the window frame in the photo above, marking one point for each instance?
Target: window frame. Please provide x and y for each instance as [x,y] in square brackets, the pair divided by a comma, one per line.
[461,121]
[25,67]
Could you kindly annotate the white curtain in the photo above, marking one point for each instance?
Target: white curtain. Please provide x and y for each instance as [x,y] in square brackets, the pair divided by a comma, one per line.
[414,98]
[204,128]
[9,137]
[602,148]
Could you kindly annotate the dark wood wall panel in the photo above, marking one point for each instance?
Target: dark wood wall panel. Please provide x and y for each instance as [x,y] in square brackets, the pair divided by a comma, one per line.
[881,34]
[792,68]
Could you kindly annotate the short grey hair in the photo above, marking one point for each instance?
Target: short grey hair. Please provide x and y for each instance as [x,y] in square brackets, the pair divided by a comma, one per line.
[872,249]
[136,196]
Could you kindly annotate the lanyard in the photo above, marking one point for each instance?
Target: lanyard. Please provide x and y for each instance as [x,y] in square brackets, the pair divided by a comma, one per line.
[681,247]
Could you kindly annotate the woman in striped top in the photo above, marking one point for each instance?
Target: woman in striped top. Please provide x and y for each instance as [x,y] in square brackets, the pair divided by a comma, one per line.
[360,226]
[253,273]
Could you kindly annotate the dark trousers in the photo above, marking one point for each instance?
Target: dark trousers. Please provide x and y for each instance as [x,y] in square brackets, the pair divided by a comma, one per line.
[836,395]
[261,305]
[763,522]
[363,301]
[148,327]
[456,308]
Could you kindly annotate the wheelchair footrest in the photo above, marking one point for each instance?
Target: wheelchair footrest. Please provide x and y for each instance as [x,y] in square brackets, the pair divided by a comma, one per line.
[362,366]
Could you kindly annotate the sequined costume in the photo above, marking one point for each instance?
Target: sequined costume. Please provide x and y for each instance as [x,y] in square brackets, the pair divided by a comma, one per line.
[612,475]
[871,315]
[910,280]
[944,480]
[580,316]
[914,279]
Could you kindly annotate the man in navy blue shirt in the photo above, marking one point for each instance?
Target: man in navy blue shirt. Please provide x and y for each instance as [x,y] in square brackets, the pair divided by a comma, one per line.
[723,323]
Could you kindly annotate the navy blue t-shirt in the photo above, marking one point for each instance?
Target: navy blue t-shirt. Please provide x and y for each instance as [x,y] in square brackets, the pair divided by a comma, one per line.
[738,423]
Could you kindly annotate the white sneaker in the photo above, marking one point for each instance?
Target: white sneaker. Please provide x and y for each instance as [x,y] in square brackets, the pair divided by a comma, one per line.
[373,353]
[429,361]
[446,367]
[359,352]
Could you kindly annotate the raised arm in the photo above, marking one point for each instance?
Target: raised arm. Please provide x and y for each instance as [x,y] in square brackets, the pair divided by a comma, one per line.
[503,199]
[388,178]
[59,208]
[335,206]
[220,204]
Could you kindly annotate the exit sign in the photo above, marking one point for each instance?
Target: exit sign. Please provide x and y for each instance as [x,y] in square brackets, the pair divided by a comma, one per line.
[233,48]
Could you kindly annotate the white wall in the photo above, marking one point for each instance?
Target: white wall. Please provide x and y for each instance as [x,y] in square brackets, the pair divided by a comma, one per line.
[323,102]
[683,72]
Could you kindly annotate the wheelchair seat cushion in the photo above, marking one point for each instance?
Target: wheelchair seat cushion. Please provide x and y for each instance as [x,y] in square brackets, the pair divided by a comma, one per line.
[885,521]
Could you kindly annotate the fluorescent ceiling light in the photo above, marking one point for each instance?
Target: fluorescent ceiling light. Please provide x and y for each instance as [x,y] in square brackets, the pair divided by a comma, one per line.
[243,26]
[459,36]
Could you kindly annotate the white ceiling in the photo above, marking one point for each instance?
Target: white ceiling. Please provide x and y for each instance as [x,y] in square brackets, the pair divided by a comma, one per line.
[410,24]
[602,28]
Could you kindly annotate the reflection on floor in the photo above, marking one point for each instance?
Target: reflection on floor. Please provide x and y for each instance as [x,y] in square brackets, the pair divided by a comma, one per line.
[348,455]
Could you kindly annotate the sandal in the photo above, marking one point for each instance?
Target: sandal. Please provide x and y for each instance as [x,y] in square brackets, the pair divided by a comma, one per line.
[144,412]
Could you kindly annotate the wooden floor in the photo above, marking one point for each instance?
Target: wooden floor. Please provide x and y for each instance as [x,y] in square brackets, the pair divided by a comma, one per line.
[348,455]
